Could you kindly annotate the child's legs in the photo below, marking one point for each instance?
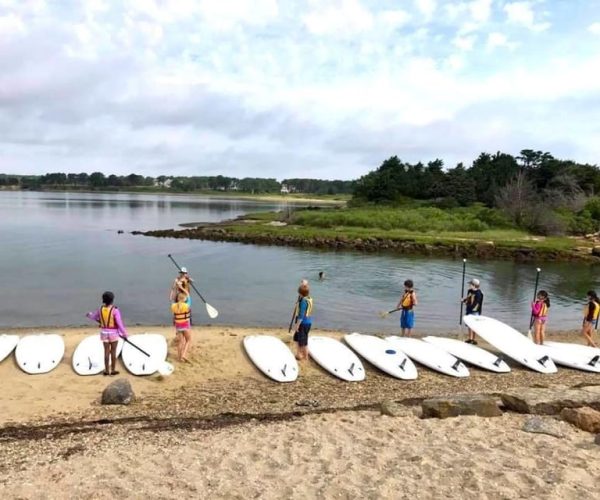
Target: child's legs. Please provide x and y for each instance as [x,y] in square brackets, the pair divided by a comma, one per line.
[180,344]
[543,331]
[536,331]
[113,355]
[106,346]
[187,341]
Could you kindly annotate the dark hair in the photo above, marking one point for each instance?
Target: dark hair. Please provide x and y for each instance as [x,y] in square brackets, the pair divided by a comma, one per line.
[303,291]
[544,295]
[592,294]
[108,298]
[408,283]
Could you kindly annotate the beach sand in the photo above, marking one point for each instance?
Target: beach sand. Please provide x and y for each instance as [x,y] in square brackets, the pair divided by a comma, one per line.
[218,428]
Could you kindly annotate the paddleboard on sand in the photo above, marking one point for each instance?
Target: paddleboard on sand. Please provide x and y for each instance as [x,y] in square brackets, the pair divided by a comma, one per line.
[88,358]
[378,352]
[430,356]
[336,358]
[580,357]
[272,357]
[136,362]
[39,353]
[472,354]
[7,345]
[511,342]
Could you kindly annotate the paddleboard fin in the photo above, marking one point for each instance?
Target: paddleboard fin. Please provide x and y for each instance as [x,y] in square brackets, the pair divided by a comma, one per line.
[542,360]
[401,365]
[456,365]
[497,362]
[594,360]
[284,369]
[351,369]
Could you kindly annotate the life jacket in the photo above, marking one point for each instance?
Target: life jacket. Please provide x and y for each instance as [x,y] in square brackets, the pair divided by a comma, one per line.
[107,318]
[181,312]
[407,300]
[543,312]
[309,306]
[596,312]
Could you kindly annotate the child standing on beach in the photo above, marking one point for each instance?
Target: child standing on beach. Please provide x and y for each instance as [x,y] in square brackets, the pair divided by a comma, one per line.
[539,311]
[407,302]
[474,303]
[111,328]
[590,317]
[303,319]
[182,314]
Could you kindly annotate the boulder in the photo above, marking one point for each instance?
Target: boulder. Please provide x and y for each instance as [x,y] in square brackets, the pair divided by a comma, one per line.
[391,409]
[550,400]
[539,425]
[118,392]
[587,419]
[466,404]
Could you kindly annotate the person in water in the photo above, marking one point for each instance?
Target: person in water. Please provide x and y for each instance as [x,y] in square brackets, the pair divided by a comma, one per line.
[321,275]
[181,319]
[181,284]
[303,321]
[474,303]
[111,328]
[407,303]
[590,317]
[539,311]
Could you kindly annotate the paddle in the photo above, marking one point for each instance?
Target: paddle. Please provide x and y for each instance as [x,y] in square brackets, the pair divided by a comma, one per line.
[537,280]
[292,320]
[385,314]
[211,311]
[462,292]
[164,367]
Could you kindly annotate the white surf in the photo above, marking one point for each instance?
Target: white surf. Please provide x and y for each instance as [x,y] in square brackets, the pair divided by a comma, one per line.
[430,356]
[472,354]
[88,358]
[7,345]
[336,358]
[511,342]
[272,357]
[39,353]
[580,357]
[378,352]
[136,362]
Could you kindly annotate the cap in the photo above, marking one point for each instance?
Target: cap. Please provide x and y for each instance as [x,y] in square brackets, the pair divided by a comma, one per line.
[183,270]
[474,281]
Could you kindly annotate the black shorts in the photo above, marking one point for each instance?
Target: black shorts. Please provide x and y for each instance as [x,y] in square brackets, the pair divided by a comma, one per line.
[301,336]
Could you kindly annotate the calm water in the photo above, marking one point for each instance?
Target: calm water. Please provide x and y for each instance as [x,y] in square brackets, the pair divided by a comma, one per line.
[59,251]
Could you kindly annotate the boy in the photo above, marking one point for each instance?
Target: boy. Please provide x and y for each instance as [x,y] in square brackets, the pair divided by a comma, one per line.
[474,302]
[303,318]
[407,302]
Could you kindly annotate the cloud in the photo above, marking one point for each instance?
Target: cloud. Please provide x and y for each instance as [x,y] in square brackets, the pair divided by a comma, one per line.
[522,13]
[426,7]
[496,40]
[594,28]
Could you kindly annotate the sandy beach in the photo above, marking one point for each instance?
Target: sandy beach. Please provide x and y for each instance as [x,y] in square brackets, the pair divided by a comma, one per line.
[218,428]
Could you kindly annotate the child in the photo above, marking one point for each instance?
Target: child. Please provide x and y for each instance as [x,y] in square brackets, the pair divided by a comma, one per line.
[111,328]
[539,311]
[181,319]
[590,318]
[303,317]
[407,302]
[474,302]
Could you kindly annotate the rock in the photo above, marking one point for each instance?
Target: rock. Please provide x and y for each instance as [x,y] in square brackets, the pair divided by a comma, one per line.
[597,439]
[391,409]
[308,402]
[587,419]
[539,425]
[118,392]
[550,401]
[467,404]
[596,251]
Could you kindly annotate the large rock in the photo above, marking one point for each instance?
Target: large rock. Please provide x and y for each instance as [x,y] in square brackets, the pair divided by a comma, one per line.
[550,400]
[467,404]
[539,425]
[118,392]
[391,409]
[587,419]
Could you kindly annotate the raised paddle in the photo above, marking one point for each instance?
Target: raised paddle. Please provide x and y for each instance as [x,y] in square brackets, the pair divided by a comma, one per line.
[211,311]
[164,367]
[531,319]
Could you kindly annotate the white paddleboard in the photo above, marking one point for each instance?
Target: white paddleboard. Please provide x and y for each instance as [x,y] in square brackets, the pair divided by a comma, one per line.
[272,357]
[385,357]
[39,353]
[136,362]
[511,342]
[471,354]
[336,358]
[580,357]
[430,356]
[88,358]
[7,345]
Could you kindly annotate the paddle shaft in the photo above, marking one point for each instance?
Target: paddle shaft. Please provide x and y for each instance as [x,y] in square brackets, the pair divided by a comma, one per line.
[191,283]
[292,320]
[462,292]
[136,346]
[537,280]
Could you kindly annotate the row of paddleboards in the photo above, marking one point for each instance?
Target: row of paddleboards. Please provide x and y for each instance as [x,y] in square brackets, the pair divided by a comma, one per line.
[395,355]
[42,353]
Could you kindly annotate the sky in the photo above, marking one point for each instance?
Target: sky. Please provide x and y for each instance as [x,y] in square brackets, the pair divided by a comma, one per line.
[286,88]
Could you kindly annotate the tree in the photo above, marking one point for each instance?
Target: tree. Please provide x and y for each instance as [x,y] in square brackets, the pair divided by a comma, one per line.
[517,199]
[97,179]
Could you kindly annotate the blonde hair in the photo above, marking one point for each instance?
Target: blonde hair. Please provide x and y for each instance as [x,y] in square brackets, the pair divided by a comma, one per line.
[181,297]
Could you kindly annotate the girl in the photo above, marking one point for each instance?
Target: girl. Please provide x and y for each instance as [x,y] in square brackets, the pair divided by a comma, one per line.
[303,315]
[539,311]
[111,328]
[181,319]
[406,303]
[590,317]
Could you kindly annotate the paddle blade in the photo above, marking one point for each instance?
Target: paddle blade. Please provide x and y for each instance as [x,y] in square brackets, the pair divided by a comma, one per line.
[165,369]
[529,336]
[212,312]
[383,314]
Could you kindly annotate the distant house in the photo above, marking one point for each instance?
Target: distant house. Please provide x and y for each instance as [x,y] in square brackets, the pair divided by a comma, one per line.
[234,186]
[284,189]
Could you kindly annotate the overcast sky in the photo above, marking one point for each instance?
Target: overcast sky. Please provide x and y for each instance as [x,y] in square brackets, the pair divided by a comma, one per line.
[307,88]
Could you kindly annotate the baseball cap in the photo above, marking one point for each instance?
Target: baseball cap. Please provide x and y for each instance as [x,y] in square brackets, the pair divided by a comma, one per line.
[474,281]
[183,270]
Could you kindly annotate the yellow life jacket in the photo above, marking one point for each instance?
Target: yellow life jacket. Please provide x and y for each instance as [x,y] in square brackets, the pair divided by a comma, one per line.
[407,300]
[309,306]
[107,318]
[595,314]
[543,310]
[181,312]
